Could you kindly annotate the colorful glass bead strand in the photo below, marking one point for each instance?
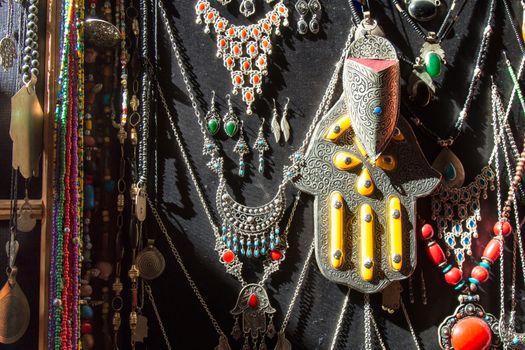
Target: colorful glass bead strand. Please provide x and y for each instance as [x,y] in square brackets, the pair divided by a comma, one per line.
[66,230]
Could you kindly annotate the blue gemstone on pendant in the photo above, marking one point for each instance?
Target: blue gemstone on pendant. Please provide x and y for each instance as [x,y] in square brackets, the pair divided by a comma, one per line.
[449,172]
[242,251]
[277,240]
[272,246]
[224,229]
[460,257]
[235,248]
[235,239]
[378,110]
[277,231]
[248,252]
[256,243]
[263,250]
[229,244]
[515,341]
[450,241]
[466,240]
[224,238]
[271,236]
[256,253]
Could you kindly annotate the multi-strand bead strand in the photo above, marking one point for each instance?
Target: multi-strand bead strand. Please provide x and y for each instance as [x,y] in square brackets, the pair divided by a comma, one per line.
[63,316]
[31,55]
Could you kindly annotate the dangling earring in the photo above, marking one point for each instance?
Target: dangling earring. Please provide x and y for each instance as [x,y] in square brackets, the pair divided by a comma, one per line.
[276,129]
[247,8]
[230,120]
[285,126]
[213,119]
[261,146]
[224,2]
[316,9]
[302,8]
[242,149]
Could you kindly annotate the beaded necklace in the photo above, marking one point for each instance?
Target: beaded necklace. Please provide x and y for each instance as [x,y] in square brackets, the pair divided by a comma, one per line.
[66,227]
[470,320]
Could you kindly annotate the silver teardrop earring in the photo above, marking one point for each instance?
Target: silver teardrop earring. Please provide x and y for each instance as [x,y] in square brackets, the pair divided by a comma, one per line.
[261,145]
[230,120]
[242,149]
[276,129]
[213,119]
[285,126]
[302,8]
[224,2]
[316,9]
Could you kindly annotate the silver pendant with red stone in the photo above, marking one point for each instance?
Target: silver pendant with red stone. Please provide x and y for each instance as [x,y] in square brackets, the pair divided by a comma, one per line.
[256,317]
[470,327]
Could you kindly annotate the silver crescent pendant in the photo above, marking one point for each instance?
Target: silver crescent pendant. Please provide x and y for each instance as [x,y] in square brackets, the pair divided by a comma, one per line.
[250,231]
[449,165]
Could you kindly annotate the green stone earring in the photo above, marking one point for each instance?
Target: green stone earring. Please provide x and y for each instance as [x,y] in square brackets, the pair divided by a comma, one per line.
[230,120]
[213,119]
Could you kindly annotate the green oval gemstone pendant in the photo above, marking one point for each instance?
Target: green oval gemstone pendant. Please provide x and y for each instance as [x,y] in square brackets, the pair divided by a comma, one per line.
[433,64]
[212,125]
[230,127]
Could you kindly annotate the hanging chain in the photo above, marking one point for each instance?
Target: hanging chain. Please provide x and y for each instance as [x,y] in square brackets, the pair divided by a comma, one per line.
[157,315]
[300,282]
[367,314]
[410,327]
[178,258]
[340,320]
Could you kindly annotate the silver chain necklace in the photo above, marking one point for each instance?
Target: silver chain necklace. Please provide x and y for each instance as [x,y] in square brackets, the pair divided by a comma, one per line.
[245,229]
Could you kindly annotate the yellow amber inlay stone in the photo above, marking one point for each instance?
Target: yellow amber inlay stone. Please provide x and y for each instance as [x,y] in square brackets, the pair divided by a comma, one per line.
[366,225]
[395,233]
[345,161]
[337,217]
[338,128]
[365,184]
[386,162]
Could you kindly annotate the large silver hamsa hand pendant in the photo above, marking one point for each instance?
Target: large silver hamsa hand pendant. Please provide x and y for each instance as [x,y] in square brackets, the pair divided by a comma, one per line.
[366,171]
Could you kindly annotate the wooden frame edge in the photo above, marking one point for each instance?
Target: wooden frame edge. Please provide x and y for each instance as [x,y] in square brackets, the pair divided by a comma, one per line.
[50,90]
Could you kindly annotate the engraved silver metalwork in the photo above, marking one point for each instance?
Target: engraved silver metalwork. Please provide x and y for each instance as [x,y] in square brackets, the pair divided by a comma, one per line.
[457,211]
[101,33]
[242,149]
[372,94]
[274,124]
[317,11]
[302,8]
[25,221]
[450,166]
[261,146]
[150,262]
[244,50]
[412,178]
[7,52]
[250,231]
[253,306]
[468,308]
[247,8]
[285,126]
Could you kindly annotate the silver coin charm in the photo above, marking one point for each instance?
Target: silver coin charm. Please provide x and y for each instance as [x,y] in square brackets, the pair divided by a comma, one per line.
[7,52]
[100,33]
[25,222]
[150,262]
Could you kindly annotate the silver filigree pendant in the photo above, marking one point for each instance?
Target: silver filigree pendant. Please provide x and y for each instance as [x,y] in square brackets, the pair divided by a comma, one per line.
[469,327]
[256,313]
[250,231]
[7,52]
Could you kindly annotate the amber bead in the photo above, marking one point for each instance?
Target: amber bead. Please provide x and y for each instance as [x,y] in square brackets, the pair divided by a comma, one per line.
[435,253]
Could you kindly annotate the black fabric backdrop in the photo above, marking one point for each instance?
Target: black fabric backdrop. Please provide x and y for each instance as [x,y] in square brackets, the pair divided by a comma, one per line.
[300,68]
